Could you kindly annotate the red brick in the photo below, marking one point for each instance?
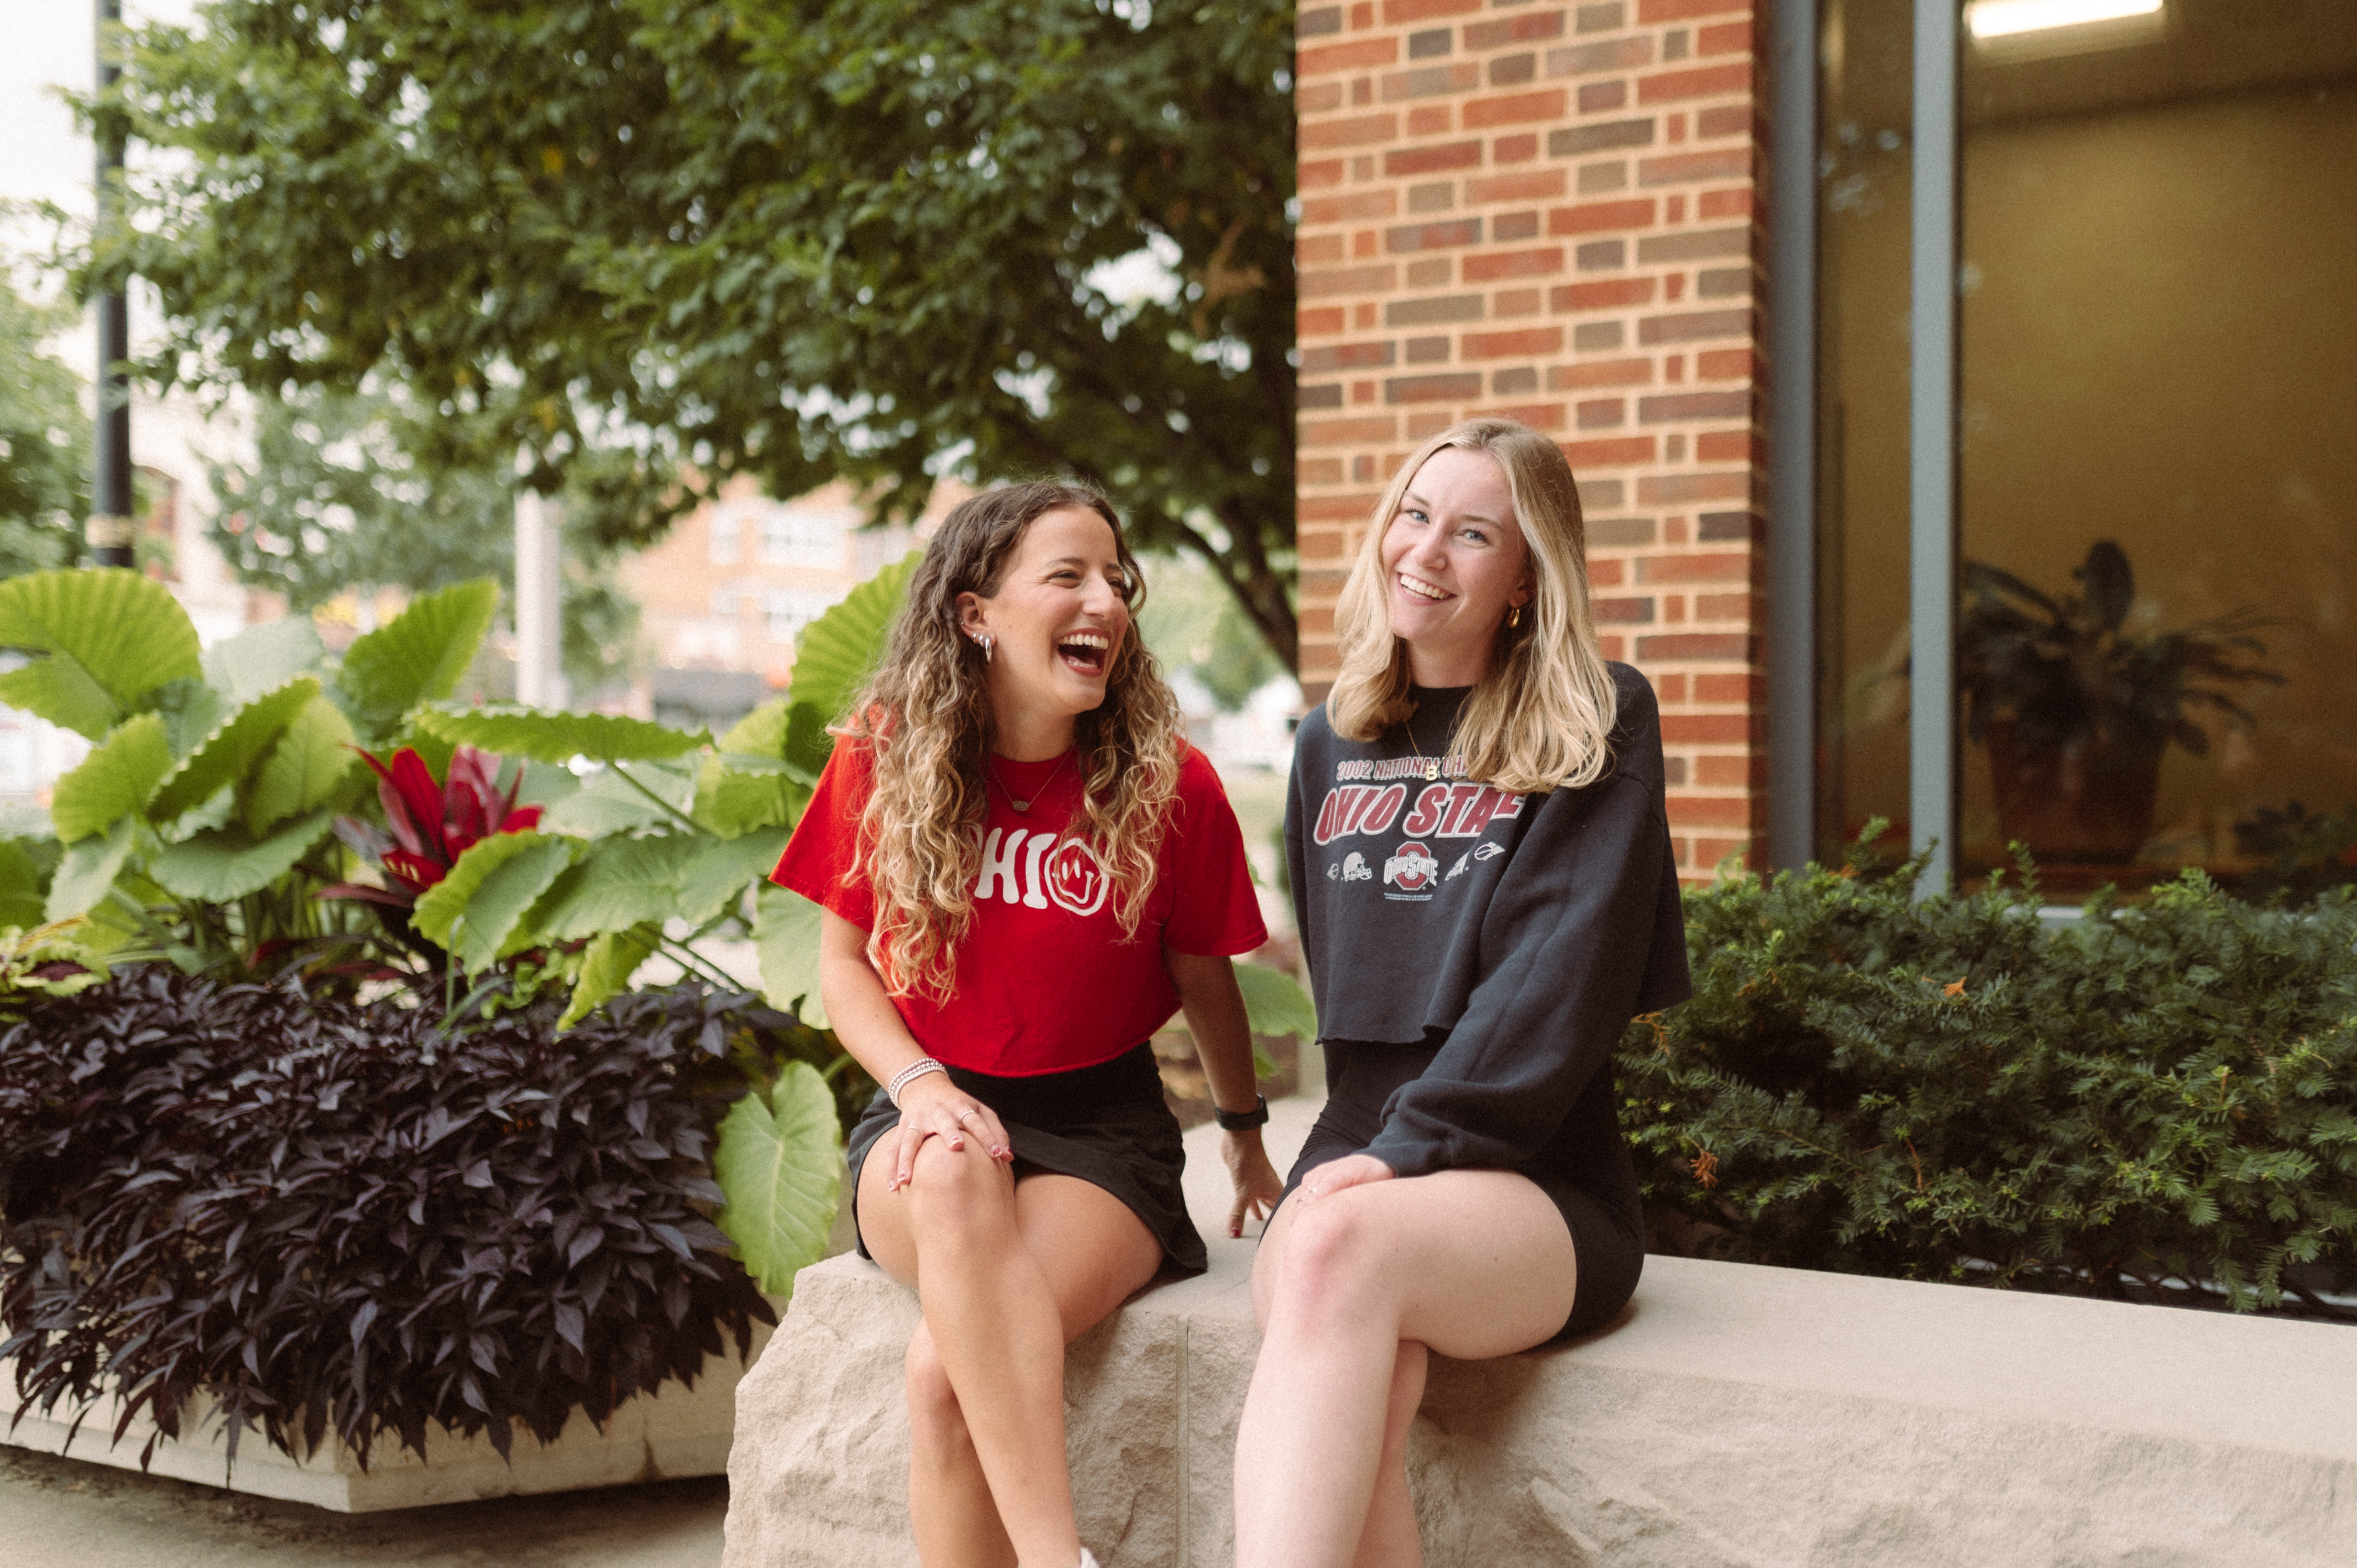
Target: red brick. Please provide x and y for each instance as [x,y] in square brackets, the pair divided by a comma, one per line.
[1360,54]
[1322,98]
[1349,432]
[1433,236]
[1725,120]
[1721,688]
[1702,81]
[1600,373]
[1346,357]
[1330,281]
[1355,204]
[1596,217]
[1424,160]
[1686,328]
[1335,509]
[1719,568]
[1363,131]
[1513,264]
[1669,489]
[1514,149]
[1699,729]
[1624,612]
[1711,810]
[1537,415]
[1436,120]
[1535,185]
[1710,852]
[1606,571]
[1315,620]
[1318,471]
[1427,82]
[1618,452]
[1318,176]
[1603,413]
[1323,322]
[1311,249]
[1514,109]
[1694,405]
[1318,543]
[1514,30]
[1588,60]
[1651,11]
[1726,364]
[1398,11]
[1724,39]
[1729,446]
[1692,645]
[1526,342]
[1748,609]
[1723,204]
[1605,294]
[1678,168]
[1743,770]
[1449,387]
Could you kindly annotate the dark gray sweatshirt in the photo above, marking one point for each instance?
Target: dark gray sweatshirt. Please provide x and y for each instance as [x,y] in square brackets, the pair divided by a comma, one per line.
[1517,934]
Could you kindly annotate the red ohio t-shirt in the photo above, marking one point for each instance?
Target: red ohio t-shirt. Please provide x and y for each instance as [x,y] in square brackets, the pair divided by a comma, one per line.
[1045,981]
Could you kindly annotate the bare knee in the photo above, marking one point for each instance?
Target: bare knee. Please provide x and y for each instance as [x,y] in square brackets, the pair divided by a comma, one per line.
[1335,1269]
[955,1194]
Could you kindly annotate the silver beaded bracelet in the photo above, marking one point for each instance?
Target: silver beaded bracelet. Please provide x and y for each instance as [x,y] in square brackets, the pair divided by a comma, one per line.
[907,1075]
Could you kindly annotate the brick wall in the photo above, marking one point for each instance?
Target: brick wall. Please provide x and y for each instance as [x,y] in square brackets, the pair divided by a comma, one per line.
[1552,212]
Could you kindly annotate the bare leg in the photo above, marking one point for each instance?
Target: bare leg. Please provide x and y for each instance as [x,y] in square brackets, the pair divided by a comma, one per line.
[1390,1540]
[1471,1263]
[1008,1273]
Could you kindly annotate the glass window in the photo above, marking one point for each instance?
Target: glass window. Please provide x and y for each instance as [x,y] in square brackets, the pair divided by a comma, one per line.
[2157,632]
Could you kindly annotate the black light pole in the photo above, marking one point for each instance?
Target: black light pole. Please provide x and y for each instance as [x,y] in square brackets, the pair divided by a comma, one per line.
[110,528]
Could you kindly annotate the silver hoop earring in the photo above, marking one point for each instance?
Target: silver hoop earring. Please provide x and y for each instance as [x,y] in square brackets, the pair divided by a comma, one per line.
[985,641]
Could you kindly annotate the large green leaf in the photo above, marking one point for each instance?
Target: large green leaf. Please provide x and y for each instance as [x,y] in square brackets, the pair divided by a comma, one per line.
[230,863]
[21,893]
[114,780]
[714,883]
[838,649]
[264,658]
[730,798]
[230,752]
[305,769]
[606,965]
[560,738]
[1275,1003]
[785,935]
[606,802]
[780,1160]
[620,883]
[417,656]
[482,901]
[88,870]
[111,636]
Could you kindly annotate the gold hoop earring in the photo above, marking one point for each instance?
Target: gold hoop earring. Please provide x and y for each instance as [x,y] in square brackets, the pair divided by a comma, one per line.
[1513,616]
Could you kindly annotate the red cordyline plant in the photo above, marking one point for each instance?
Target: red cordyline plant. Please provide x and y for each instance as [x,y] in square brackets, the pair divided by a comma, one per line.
[432,824]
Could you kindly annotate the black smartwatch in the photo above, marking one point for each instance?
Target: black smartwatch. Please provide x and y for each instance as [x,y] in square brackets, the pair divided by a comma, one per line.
[1242,1120]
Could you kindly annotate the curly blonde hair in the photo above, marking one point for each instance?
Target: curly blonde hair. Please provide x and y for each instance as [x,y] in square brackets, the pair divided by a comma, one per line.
[1543,716]
[925,716]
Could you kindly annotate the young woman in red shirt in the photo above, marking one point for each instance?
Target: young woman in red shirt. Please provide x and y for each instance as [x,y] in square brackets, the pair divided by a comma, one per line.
[1026,870]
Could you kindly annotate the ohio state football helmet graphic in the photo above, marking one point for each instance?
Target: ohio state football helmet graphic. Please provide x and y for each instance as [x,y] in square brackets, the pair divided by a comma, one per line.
[1355,868]
[1076,878]
[1412,870]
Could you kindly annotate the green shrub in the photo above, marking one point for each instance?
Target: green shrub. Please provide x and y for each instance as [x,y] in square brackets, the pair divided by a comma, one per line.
[1955,1090]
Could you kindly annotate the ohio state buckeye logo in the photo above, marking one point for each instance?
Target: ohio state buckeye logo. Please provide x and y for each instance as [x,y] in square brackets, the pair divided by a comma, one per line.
[1076,878]
[1412,869]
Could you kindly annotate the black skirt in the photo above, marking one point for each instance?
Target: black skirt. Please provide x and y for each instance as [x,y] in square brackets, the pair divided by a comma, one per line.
[1585,1169]
[1106,1124]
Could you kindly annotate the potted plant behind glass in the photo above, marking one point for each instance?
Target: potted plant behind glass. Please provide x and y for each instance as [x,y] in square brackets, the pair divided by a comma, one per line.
[2076,710]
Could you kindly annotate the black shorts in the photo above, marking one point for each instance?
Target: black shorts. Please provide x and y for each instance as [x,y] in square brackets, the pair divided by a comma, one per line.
[1605,1221]
[1106,1124]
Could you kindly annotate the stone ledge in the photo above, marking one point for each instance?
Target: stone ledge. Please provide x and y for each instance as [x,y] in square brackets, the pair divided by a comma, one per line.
[1733,1415]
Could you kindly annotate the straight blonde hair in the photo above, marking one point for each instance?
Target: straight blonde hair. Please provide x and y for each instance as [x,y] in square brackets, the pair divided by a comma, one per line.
[1542,715]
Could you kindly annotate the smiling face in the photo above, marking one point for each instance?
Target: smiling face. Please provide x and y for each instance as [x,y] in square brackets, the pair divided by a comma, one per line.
[1454,563]
[1057,623]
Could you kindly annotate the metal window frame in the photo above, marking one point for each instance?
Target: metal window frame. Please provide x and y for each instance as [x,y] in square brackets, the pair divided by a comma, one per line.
[1932,444]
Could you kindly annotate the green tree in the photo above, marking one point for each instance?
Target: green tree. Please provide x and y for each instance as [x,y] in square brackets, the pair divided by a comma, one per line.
[44,441]
[657,242]
[335,498]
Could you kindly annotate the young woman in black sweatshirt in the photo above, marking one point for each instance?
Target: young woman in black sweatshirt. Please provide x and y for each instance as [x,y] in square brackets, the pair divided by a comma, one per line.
[1481,869]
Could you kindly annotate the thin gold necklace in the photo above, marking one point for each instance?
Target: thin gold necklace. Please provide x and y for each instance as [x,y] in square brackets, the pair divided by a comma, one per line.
[1025,806]
[1431,764]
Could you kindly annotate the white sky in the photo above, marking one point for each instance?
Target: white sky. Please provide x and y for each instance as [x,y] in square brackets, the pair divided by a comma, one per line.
[43,156]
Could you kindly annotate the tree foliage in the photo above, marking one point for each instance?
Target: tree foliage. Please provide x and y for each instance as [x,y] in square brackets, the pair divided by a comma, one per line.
[657,243]
[44,442]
